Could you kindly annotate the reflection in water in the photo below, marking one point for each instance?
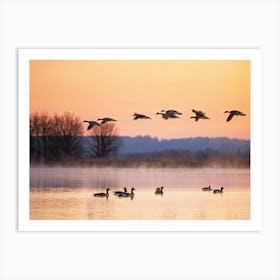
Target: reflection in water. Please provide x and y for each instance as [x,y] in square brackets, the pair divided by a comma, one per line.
[67,193]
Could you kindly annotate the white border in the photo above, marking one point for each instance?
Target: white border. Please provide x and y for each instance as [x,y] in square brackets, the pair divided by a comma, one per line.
[254,55]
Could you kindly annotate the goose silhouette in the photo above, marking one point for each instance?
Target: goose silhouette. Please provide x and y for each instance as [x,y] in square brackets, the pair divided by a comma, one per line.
[169,114]
[159,190]
[120,192]
[131,194]
[207,189]
[199,115]
[218,191]
[102,194]
[233,113]
[92,124]
[139,116]
[104,120]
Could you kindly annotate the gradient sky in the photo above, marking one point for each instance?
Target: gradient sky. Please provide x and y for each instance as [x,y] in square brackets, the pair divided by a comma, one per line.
[94,89]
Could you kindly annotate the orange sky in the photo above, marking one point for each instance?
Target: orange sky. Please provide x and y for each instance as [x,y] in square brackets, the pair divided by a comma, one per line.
[94,89]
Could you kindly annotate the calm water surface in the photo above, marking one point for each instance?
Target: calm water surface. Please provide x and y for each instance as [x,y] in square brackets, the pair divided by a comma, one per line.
[66,194]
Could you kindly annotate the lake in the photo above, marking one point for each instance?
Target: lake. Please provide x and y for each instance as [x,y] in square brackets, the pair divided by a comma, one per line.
[66,193]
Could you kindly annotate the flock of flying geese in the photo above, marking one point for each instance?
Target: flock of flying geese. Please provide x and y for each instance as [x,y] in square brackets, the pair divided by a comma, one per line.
[158,191]
[166,114]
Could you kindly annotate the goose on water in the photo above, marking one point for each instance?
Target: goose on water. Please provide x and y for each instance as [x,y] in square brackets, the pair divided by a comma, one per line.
[104,120]
[131,194]
[218,191]
[92,124]
[139,116]
[207,189]
[102,194]
[234,113]
[120,192]
[199,115]
[159,190]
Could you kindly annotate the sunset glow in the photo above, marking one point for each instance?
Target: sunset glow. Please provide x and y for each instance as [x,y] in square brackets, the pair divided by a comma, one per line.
[95,89]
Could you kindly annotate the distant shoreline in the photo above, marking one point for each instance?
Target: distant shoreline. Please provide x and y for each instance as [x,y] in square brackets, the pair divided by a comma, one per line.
[148,163]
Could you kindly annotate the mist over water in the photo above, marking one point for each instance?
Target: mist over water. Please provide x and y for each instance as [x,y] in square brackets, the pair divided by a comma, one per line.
[66,193]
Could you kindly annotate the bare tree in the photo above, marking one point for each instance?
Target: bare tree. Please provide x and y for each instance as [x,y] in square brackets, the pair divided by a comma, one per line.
[66,135]
[55,137]
[45,131]
[105,140]
[40,129]
[34,132]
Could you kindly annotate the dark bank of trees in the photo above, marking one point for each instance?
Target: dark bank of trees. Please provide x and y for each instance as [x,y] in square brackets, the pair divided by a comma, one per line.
[187,158]
[60,138]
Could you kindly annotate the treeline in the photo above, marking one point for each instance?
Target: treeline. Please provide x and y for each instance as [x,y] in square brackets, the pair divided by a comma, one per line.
[60,138]
[187,158]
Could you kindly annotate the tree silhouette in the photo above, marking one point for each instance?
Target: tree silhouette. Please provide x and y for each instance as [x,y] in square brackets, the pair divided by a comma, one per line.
[104,140]
[55,137]
[34,132]
[66,131]
[40,129]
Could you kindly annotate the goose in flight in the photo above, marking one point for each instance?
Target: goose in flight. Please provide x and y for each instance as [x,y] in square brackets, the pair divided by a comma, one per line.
[102,194]
[104,120]
[92,124]
[218,191]
[139,116]
[120,192]
[199,115]
[159,190]
[131,194]
[169,114]
[234,113]
[207,189]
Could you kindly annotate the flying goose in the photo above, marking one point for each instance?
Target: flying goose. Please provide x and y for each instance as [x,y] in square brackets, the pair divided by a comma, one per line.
[218,191]
[102,194]
[159,190]
[139,116]
[92,124]
[198,115]
[131,194]
[207,189]
[234,113]
[169,114]
[104,120]
[120,192]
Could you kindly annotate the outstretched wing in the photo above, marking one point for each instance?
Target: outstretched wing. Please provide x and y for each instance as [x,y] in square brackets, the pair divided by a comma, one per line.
[91,125]
[230,117]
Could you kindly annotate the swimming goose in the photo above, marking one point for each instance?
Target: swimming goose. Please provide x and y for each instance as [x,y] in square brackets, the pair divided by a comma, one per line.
[159,190]
[104,120]
[131,194]
[207,189]
[139,116]
[102,194]
[218,191]
[199,115]
[92,124]
[120,192]
[234,113]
